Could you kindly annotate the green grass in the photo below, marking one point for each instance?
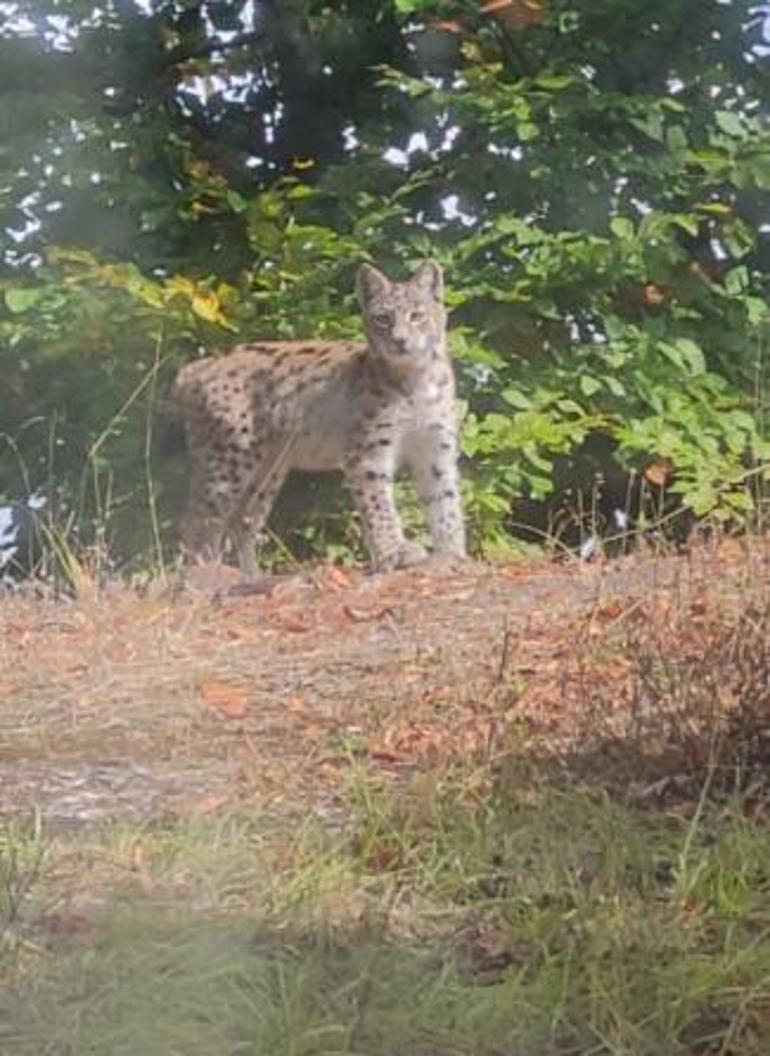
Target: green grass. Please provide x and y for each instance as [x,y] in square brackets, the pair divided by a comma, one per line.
[542,921]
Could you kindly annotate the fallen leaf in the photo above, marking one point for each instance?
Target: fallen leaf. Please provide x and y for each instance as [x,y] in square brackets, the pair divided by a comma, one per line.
[521,571]
[295,624]
[364,615]
[210,804]
[382,858]
[384,755]
[229,698]
[657,473]
[338,577]
[609,612]
[654,295]
[450,26]
[67,925]
[244,634]
[414,740]
[515,13]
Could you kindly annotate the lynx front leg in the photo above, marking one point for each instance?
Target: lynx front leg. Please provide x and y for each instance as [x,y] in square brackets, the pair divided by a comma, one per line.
[432,459]
[371,482]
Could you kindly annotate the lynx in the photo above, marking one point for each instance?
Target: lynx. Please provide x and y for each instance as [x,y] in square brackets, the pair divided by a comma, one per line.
[367,408]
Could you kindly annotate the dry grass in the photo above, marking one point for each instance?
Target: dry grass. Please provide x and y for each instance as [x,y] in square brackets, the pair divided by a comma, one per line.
[122,706]
[267,697]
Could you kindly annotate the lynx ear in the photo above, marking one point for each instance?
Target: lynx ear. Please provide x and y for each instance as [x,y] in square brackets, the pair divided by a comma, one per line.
[430,278]
[370,283]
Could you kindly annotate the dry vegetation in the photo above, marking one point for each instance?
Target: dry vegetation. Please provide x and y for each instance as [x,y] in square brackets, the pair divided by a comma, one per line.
[528,804]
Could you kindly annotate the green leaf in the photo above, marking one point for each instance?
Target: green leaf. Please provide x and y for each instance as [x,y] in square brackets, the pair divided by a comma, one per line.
[756,310]
[714,208]
[570,407]
[685,354]
[692,354]
[589,386]
[651,124]
[236,201]
[616,387]
[517,399]
[759,167]
[742,420]
[687,223]
[21,299]
[737,280]
[622,227]
[527,131]
[553,82]
[676,139]
[730,123]
[533,455]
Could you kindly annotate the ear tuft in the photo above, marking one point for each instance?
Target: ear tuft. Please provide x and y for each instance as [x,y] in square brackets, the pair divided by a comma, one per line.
[370,283]
[430,278]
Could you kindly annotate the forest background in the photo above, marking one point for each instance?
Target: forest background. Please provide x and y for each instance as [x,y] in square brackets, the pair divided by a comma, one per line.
[593,175]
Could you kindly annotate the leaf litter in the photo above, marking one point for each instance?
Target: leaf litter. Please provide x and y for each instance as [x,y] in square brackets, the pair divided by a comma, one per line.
[138,707]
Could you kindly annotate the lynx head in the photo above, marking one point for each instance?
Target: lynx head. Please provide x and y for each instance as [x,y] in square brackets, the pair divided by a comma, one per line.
[405,321]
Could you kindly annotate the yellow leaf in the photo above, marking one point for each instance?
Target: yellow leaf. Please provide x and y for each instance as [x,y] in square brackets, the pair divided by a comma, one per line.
[199,170]
[151,294]
[179,284]
[197,208]
[206,305]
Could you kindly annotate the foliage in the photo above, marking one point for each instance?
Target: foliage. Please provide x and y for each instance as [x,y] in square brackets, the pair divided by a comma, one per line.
[593,183]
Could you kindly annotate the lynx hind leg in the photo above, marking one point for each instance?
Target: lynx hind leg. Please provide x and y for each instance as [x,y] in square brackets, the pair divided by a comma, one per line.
[248,523]
[205,522]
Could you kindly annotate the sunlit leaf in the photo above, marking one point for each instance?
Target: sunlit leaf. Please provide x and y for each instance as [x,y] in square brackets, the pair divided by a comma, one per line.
[20,299]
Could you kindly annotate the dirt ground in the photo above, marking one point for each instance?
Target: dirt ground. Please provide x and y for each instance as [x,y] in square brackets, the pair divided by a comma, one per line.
[148,707]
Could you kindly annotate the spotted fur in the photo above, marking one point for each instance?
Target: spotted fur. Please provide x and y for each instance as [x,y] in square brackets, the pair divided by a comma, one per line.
[366,408]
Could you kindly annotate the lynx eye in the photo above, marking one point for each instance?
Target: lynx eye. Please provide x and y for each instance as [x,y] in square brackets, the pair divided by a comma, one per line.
[382,320]
[417,316]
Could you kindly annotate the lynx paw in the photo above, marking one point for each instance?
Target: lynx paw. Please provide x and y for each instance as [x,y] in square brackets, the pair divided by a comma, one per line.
[407,555]
[448,560]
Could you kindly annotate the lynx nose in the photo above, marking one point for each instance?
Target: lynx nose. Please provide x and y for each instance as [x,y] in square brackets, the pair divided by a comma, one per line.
[401,344]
